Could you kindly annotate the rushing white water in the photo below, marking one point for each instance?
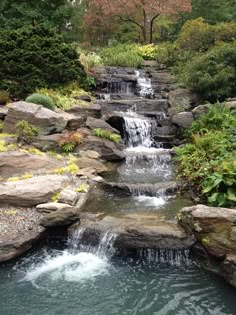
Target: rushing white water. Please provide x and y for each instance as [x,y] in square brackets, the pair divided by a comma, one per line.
[170,256]
[145,86]
[139,131]
[77,263]
[151,201]
[68,266]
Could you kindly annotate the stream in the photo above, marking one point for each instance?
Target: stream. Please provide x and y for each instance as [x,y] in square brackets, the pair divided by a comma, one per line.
[72,279]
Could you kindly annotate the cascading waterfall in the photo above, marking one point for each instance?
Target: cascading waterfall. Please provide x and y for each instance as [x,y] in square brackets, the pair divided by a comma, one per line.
[170,256]
[139,131]
[145,86]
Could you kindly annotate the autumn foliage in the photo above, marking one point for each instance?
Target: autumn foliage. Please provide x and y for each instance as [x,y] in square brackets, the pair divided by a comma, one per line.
[142,13]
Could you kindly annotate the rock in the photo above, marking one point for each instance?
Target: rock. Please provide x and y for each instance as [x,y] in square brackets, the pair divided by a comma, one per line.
[139,233]
[200,110]
[85,162]
[136,189]
[53,206]
[74,122]
[181,100]
[16,247]
[90,154]
[33,191]
[85,98]
[231,103]
[94,123]
[60,218]
[68,196]
[92,110]
[183,119]
[116,120]
[228,269]
[86,172]
[108,150]
[47,143]
[18,163]
[3,112]
[213,227]
[97,179]
[44,119]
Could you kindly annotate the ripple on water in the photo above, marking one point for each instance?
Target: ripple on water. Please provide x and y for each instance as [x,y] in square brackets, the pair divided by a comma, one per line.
[58,282]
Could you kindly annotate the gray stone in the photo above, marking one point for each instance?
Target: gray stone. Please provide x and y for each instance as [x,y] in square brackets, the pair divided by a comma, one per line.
[92,110]
[59,218]
[108,150]
[143,232]
[16,247]
[44,119]
[85,162]
[3,112]
[33,191]
[53,206]
[183,119]
[47,143]
[181,100]
[94,123]
[200,110]
[68,196]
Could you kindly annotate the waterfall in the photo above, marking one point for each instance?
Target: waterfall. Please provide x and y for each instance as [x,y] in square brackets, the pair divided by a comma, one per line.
[170,256]
[145,86]
[139,131]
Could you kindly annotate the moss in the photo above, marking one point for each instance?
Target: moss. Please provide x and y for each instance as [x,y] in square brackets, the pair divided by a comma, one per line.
[83,188]
[55,197]
[205,241]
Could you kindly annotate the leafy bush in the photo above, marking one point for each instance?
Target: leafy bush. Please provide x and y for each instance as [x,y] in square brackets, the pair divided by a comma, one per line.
[40,99]
[147,52]
[208,162]
[26,131]
[213,74]
[121,56]
[35,56]
[68,142]
[4,97]
[106,134]
[196,35]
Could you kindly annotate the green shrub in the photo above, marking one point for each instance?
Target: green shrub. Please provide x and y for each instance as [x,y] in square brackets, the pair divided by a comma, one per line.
[26,131]
[40,99]
[208,162]
[34,57]
[196,35]
[121,56]
[90,60]
[147,52]
[4,97]
[106,134]
[213,75]
[68,142]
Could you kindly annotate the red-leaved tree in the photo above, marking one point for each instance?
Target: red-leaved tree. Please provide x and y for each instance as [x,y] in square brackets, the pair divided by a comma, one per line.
[142,13]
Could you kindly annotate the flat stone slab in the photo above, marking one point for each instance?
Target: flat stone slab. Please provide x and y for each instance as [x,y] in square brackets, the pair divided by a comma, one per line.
[33,191]
[18,163]
[142,232]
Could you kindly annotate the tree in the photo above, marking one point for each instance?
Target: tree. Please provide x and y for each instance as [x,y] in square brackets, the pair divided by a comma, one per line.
[36,57]
[142,13]
[17,13]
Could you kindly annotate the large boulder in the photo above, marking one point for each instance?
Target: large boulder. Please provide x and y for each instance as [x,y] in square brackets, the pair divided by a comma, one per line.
[213,227]
[183,119]
[181,100]
[33,191]
[108,150]
[47,143]
[18,163]
[60,218]
[94,123]
[44,119]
